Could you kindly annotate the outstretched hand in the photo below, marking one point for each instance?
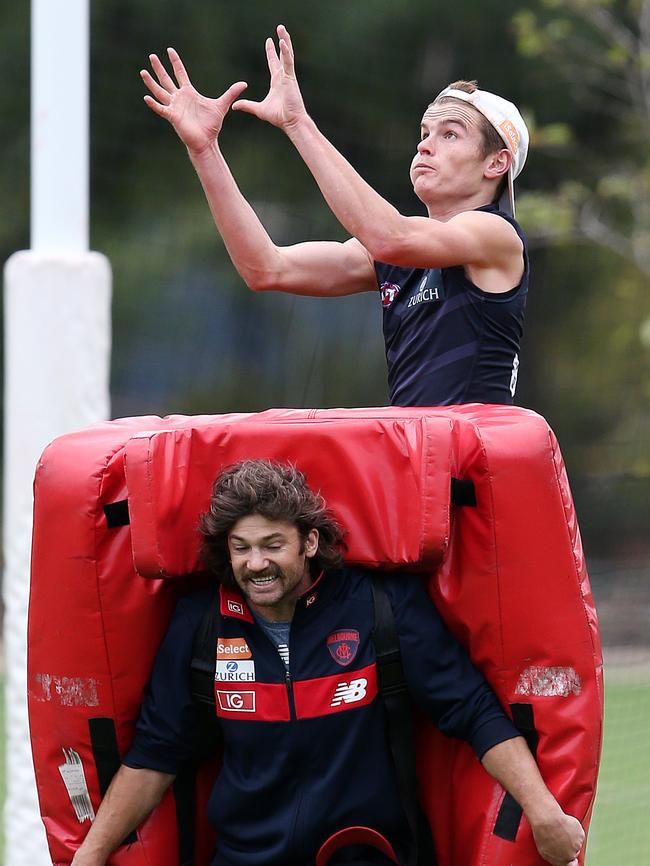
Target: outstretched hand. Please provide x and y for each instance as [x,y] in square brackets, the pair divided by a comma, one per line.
[197,119]
[283,105]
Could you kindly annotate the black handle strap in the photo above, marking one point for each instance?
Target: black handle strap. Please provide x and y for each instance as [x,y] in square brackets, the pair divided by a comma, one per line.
[509,817]
[103,741]
[463,492]
[117,513]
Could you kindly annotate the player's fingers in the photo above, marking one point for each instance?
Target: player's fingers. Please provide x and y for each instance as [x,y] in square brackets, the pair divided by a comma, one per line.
[156,107]
[271,56]
[159,92]
[235,90]
[283,33]
[161,73]
[177,65]
[247,105]
[287,57]
[286,51]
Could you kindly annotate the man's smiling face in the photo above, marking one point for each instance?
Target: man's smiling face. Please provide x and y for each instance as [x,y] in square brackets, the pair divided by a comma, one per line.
[270,564]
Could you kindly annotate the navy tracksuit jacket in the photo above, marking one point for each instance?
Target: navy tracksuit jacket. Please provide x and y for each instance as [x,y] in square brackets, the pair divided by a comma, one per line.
[306,755]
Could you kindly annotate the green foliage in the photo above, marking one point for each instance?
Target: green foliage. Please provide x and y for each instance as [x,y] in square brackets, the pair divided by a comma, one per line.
[590,211]
[596,53]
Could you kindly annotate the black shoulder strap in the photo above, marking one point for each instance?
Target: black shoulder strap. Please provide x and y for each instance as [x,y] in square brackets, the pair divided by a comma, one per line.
[399,712]
[208,732]
[203,655]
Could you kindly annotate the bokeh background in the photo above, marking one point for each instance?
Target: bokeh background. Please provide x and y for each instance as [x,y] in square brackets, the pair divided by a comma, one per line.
[188,337]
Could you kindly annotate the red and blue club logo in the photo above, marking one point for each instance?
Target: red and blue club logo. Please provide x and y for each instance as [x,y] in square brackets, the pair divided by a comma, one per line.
[389,291]
[343,645]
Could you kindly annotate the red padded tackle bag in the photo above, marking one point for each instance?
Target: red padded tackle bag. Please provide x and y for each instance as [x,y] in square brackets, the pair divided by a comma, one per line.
[115,536]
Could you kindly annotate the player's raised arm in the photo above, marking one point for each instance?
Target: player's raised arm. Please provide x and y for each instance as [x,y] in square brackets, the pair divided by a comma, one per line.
[361,210]
[327,268]
[388,235]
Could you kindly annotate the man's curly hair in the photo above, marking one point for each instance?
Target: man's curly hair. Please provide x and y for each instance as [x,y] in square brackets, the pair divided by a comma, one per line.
[277,491]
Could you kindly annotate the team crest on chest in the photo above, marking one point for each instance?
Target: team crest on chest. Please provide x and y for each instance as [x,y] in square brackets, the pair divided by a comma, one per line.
[389,291]
[343,645]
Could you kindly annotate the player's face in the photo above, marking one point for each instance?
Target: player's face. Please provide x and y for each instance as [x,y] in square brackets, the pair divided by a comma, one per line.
[448,164]
[270,563]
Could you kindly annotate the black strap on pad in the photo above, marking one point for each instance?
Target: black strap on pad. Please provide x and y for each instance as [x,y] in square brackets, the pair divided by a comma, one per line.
[463,492]
[117,513]
[103,741]
[509,817]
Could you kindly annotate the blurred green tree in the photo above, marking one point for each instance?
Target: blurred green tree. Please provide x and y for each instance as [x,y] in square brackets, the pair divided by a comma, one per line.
[590,214]
[599,53]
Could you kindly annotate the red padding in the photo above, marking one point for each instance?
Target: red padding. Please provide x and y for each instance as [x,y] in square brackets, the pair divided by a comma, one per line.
[508,577]
[386,479]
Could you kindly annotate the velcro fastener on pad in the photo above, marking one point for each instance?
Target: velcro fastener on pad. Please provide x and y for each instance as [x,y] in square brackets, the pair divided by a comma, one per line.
[387,480]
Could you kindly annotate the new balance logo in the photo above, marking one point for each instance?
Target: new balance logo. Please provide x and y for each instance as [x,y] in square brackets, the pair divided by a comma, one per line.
[349,693]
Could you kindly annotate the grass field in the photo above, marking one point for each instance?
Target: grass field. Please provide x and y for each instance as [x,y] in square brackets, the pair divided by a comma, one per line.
[620,828]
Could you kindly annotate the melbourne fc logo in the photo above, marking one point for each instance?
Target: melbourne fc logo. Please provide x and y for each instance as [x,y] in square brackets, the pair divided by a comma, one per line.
[389,291]
[343,645]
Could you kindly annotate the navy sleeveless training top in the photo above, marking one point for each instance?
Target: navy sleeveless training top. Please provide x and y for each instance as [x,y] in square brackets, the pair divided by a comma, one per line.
[447,341]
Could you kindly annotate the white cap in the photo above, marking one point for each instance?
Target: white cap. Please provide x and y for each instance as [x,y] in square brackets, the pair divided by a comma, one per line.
[508,122]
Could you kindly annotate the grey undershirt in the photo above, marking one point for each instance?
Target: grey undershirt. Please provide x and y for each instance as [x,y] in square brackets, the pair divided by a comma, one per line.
[279,634]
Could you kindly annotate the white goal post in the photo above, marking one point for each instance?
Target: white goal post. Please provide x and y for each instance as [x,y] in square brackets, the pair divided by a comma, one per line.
[57,357]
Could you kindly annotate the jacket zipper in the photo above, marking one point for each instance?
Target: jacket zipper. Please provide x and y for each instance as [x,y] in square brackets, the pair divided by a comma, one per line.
[288,681]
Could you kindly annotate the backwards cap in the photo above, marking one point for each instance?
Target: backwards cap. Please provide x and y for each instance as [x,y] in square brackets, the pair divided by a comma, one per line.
[508,122]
